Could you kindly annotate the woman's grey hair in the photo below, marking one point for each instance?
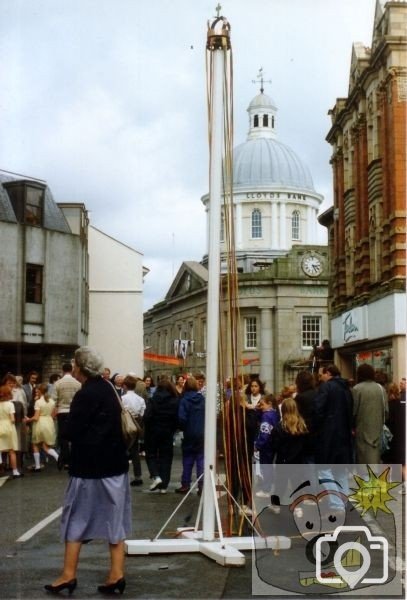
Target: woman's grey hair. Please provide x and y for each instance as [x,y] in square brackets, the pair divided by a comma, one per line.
[89,361]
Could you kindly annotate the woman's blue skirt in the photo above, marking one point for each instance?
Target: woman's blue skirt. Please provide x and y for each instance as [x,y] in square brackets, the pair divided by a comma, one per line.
[97,509]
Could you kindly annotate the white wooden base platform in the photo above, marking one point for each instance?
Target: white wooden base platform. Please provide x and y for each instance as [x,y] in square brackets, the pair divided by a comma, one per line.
[226,552]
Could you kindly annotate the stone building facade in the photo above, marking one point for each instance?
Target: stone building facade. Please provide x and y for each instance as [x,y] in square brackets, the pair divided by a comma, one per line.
[43,271]
[367,223]
[282,271]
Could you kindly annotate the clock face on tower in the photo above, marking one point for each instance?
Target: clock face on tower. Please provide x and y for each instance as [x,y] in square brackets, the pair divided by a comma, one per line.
[312,265]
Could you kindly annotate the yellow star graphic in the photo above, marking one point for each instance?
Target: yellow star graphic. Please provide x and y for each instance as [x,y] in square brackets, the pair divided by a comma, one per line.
[373,493]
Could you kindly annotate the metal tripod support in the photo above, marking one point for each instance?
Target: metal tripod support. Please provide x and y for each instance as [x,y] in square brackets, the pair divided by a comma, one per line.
[226,551]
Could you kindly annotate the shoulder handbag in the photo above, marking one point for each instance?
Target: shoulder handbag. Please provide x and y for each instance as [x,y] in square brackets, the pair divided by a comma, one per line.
[386,435]
[385,439]
[130,427]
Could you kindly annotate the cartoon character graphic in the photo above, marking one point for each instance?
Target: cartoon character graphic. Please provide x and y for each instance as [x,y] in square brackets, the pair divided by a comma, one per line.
[338,523]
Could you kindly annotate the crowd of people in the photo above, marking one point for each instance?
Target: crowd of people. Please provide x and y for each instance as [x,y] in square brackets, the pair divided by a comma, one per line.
[75,420]
[340,421]
[34,417]
[321,418]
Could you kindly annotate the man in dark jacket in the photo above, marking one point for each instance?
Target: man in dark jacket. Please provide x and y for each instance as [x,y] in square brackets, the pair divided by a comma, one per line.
[305,399]
[160,424]
[333,411]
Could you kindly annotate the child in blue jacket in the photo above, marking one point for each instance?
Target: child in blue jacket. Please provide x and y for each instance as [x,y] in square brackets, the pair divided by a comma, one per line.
[269,417]
[191,417]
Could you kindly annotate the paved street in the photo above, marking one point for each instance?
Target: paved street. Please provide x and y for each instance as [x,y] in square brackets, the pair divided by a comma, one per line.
[27,565]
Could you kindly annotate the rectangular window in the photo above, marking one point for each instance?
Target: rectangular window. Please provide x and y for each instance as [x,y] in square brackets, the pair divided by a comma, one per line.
[295,225]
[256,224]
[33,206]
[311,332]
[250,325]
[33,284]
[27,201]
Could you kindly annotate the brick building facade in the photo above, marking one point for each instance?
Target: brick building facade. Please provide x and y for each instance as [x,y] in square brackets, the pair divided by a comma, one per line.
[367,224]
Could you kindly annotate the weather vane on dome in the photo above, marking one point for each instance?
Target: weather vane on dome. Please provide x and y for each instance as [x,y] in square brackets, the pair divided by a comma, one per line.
[262,81]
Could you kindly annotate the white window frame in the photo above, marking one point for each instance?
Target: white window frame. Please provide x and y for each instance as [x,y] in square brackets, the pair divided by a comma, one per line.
[295,225]
[256,224]
[311,331]
[250,333]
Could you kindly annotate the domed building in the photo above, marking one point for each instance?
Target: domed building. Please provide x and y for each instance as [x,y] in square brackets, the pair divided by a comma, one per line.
[283,278]
[275,203]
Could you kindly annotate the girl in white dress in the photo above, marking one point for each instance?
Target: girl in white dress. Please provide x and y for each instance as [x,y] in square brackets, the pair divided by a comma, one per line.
[44,433]
[20,404]
[8,433]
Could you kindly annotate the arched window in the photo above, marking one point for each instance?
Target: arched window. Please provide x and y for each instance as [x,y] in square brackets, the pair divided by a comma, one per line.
[256,121]
[265,120]
[256,223]
[295,225]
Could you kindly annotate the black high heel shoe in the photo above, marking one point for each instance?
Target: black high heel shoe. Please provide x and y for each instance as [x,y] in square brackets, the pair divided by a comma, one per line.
[112,587]
[67,585]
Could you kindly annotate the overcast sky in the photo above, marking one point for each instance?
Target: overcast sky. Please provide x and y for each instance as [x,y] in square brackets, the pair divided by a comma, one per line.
[106,101]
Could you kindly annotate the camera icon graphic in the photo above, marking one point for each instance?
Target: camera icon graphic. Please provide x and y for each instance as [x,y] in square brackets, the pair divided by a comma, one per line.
[353,576]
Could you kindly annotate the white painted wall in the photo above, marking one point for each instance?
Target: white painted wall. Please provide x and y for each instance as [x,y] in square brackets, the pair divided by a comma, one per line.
[115,302]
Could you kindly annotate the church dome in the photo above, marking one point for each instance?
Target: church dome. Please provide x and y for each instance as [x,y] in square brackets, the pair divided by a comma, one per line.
[266,161]
[273,193]
[262,101]
[263,160]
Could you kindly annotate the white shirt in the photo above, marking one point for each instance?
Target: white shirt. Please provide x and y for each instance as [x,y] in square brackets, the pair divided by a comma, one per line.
[254,400]
[134,403]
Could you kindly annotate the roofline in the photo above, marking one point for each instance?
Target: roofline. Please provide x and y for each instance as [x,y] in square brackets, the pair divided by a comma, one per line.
[73,204]
[327,217]
[23,177]
[115,240]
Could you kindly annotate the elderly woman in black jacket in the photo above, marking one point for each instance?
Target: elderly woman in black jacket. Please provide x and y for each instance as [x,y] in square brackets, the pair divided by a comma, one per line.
[97,501]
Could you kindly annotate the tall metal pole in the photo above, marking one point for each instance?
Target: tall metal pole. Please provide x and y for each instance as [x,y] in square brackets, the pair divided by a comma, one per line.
[218,43]
[224,550]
